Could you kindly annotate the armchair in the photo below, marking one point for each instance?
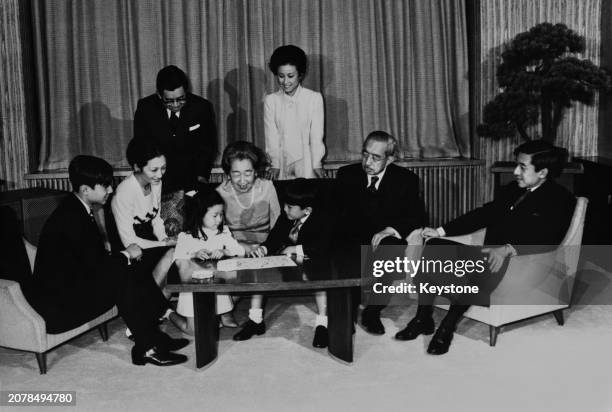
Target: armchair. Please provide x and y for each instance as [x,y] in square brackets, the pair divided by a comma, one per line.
[22,328]
[533,284]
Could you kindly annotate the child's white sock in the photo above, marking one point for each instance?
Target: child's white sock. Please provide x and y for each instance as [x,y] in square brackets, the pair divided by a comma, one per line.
[256,315]
[321,320]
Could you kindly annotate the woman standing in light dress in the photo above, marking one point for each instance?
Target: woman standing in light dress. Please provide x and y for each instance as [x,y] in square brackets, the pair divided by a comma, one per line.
[293,119]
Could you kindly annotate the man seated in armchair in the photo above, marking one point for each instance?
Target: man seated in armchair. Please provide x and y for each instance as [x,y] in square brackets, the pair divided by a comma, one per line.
[533,210]
[76,279]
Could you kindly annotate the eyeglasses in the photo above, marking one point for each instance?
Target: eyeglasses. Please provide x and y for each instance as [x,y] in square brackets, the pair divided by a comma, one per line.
[375,158]
[180,100]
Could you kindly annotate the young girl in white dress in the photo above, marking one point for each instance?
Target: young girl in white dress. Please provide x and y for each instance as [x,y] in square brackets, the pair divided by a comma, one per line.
[207,238]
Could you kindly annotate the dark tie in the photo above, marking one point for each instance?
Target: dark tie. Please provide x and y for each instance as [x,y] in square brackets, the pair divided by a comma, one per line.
[520,199]
[295,230]
[174,122]
[372,187]
[91,216]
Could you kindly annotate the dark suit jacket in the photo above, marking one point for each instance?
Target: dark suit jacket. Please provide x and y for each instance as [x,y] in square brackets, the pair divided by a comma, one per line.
[315,235]
[397,203]
[74,277]
[541,219]
[192,151]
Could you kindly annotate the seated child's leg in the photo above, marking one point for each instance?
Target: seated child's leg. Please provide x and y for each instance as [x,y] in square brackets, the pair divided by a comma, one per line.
[321,336]
[321,301]
[185,309]
[256,311]
[224,303]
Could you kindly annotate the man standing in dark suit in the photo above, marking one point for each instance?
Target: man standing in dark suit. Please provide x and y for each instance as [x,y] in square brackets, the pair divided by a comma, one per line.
[379,205]
[183,125]
[76,279]
[533,210]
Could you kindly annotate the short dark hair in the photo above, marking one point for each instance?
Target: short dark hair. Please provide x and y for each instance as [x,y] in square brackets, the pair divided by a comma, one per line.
[201,202]
[242,150]
[544,156]
[289,54]
[300,192]
[89,171]
[383,137]
[171,78]
[140,150]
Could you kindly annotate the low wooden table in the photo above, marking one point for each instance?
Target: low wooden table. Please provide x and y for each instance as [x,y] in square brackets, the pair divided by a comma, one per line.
[335,275]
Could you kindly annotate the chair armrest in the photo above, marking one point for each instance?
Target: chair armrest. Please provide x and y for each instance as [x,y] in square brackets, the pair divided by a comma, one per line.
[21,327]
[537,279]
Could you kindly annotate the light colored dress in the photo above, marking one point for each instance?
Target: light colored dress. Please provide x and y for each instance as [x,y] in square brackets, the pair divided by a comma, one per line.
[187,245]
[132,209]
[293,127]
[250,215]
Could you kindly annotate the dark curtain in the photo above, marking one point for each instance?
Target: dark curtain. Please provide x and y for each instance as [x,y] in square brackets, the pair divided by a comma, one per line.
[395,65]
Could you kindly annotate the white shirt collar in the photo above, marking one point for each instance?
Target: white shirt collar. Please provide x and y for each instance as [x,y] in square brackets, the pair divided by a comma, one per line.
[169,113]
[304,218]
[87,208]
[380,177]
[532,189]
[295,95]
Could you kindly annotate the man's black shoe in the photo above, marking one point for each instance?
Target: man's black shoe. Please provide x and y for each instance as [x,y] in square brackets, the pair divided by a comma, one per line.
[157,358]
[441,341]
[171,344]
[416,327]
[249,329]
[321,337]
[370,319]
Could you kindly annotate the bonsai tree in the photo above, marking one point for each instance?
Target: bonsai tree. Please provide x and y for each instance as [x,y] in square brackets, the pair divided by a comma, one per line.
[539,79]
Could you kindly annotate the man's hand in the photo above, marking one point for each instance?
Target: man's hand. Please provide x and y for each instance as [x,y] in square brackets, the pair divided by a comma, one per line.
[134,251]
[430,232]
[320,173]
[497,255]
[259,251]
[170,241]
[386,232]
[202,179]
[289,250]
[272,174]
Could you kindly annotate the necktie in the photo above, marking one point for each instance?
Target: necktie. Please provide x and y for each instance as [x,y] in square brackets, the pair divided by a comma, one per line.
[520,199]
[174,122]
[295,230]
[91,216]
[372,186]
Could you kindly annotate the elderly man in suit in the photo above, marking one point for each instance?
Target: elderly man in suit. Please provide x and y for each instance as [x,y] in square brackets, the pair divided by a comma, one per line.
[533,210]
[379,204]
[183,124]
[76,279]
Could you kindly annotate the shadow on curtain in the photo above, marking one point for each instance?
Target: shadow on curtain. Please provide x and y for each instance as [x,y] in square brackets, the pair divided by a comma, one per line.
[399,66]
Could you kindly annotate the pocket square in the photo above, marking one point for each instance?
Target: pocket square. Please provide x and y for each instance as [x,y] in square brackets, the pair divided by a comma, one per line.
[192,128]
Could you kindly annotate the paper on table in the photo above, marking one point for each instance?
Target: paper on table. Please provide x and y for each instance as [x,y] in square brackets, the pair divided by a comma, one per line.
[254,263]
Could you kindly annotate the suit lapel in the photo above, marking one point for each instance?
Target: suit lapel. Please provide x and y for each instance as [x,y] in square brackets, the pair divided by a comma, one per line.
[90,228]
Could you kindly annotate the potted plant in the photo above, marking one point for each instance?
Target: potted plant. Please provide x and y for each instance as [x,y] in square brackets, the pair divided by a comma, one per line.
[540,78]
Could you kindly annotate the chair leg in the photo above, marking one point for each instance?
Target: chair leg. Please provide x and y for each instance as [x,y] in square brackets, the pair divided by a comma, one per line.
[559,316]
[493,331]
[103,329]
[41,358]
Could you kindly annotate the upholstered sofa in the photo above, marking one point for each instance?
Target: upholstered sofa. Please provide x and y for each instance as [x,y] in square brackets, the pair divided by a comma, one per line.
[22,328]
